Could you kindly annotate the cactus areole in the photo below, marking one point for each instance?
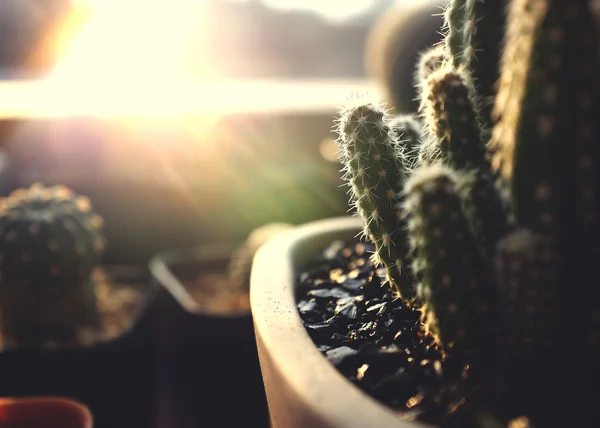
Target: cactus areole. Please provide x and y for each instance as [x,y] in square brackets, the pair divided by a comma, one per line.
[481,219]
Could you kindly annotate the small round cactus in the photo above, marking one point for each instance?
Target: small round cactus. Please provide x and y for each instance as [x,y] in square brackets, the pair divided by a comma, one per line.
[50,242]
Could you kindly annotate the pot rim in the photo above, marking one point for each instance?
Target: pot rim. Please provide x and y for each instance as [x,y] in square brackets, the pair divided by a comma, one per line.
[278,324]
[161,272]
[76,408]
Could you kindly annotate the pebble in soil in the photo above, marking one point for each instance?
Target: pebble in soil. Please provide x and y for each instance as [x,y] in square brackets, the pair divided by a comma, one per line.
[373,338]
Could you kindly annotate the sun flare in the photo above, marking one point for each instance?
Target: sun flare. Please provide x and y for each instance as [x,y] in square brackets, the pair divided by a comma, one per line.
[125,46]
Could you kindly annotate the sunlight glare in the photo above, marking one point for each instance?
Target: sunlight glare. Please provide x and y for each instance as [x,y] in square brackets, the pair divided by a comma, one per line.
[124,45]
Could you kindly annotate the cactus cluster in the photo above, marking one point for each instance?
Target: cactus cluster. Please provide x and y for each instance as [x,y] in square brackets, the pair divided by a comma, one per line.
[492,208]
[50,243]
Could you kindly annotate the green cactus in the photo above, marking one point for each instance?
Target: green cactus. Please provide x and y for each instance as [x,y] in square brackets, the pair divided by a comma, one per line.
[522,195]
[527,271]
[452,121]
[455,16]
[375,169]
[459,298]
[50,242]
[409,131]
[483,33]
[456,137]
[430,61]
[546,141]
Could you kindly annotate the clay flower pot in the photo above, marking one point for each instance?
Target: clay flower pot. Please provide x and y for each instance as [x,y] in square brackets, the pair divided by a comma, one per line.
[303,388]
[207,349]
[115,378]
[43,412]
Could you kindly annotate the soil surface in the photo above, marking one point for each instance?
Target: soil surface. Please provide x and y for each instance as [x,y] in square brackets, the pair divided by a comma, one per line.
[213,292]
[374,339]
[380,345]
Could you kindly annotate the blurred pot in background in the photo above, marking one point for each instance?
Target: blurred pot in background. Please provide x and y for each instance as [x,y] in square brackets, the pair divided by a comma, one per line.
[67,326]
[208,352]
[396,41]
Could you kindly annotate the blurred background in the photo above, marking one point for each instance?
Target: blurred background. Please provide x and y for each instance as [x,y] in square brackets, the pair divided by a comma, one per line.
[186,121]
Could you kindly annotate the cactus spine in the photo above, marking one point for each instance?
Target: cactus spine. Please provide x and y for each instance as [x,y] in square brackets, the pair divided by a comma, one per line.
[409,131]
[50,242]
[454,22]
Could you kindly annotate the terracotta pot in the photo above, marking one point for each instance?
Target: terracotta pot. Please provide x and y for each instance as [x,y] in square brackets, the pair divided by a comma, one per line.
[116,379]
[206,357]
[303,388]
[43,412]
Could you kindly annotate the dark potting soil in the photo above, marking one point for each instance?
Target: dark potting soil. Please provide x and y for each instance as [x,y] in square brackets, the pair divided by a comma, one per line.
[117,301]
[374,339]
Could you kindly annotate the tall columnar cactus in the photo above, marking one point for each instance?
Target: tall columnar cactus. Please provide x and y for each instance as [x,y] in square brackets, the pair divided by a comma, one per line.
[527,270]
[454,24]
[375,168]
[483,33]
[546,140]
[460,302]
[474,36]
[50,242]
[456,137]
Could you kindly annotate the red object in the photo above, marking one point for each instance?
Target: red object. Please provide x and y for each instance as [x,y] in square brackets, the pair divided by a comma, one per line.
[43,412]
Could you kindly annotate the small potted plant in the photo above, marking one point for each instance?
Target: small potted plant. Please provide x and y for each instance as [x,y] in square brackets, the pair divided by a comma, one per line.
[476,286]
[207,335]
[67,327]
[44,412]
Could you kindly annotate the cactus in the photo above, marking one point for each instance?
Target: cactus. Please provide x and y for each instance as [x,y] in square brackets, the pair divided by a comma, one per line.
[409,131]
[375,168]
[483,32]
[454,17]
[430,61]
[455,136]
[452,121]
[459,299]
[50,242]
[474,40]
[527,271]
[549,95]
[522,194]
